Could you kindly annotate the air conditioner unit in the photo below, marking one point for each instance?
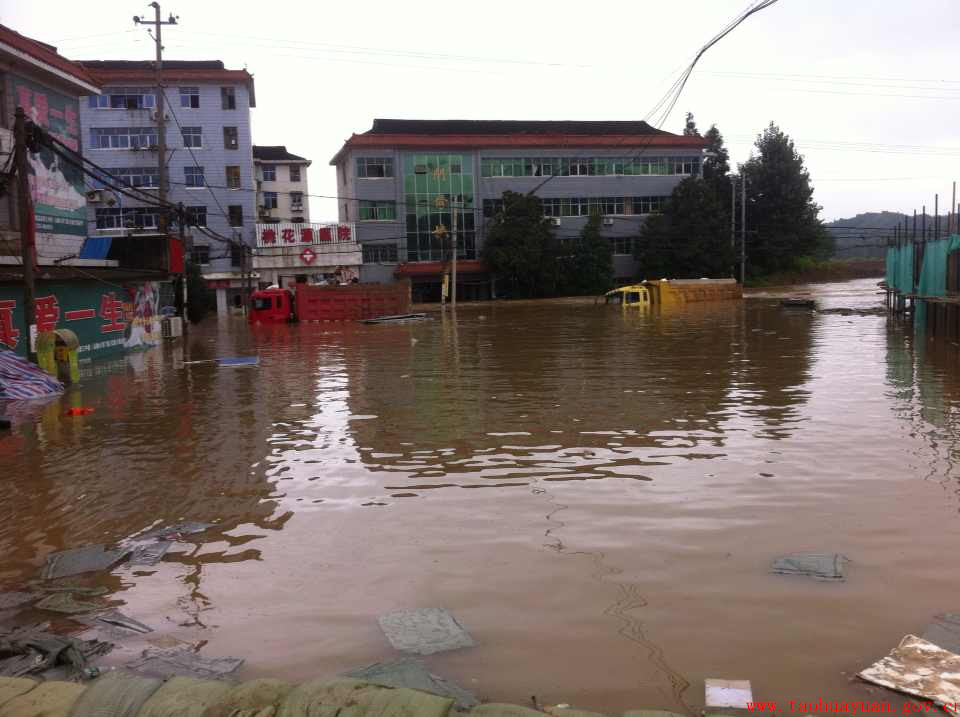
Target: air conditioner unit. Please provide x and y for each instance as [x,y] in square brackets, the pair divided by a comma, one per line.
[95,196]
[555,221]
[608,221]
[171,327]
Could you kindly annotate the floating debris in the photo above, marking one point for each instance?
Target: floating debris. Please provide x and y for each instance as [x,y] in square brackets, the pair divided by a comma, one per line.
[919,668]
[115,618]
[77,590]
[173,532]
[408,672]
[169,663]
[149,553]
[424,631]
[723,695]
[822,566]
[798,304]
[36,650]
[67,604]
[397,319]
[944,631]
[76,561]
[15,599]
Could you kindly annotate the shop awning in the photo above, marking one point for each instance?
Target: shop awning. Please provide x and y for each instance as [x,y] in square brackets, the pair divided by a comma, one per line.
[95,248]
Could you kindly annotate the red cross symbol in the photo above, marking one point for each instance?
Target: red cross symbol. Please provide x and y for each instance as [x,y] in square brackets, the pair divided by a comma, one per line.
[308,255]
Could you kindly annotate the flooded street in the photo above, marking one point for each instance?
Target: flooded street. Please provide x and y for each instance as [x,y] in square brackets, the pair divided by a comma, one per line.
[596,494]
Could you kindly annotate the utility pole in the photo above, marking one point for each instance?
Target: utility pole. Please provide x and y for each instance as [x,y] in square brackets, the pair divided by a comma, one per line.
[743,227]
[952,218]
[28,253]
[453,265]
[161,118]
[936,216]
[733,223]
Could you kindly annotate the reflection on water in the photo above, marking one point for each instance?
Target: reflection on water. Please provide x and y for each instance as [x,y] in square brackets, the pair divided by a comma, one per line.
[595,493]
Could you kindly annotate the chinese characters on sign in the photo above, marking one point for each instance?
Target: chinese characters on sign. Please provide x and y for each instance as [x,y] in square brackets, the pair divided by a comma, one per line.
[273,235]
[48,313]
[9,333]
[111,310]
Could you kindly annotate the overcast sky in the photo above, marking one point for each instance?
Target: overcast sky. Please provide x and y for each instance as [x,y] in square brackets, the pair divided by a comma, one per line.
[864,87]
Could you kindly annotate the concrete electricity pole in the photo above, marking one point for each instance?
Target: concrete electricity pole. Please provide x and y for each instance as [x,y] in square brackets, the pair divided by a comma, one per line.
[743,227]
[28,253]
[161,116]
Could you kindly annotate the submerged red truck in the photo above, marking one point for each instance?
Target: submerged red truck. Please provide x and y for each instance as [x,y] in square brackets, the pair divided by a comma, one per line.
[312,302]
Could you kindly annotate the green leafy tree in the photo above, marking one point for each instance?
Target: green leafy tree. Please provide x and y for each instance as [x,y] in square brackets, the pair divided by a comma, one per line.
[716,163]
[690,128]
[783,222]
[691,238]
[520,248]
[586,263]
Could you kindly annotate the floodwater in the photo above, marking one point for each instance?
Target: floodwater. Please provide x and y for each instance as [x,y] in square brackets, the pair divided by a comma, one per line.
[596,494]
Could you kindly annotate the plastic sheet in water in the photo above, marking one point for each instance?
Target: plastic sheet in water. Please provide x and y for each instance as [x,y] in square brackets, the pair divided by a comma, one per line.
[15,599]
[115,618]
[424,631]
[919,668]
[408,672]
[170,663]
[822,566]
[87,559]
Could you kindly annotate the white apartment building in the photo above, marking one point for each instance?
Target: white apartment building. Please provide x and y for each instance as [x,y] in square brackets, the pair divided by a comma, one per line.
[282,194]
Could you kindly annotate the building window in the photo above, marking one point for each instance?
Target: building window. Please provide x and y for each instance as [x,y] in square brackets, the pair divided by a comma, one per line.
[123,137]
[197,216]
[126,218]
[294,173]
[190,97]
[296,201]
[228,98]
[269,172]
[192,137]
[200,254]
[649,205]
[124,98]
[374,167]
[233,176]
[377,210]
[379,253]
[237,254]
[269,200]
[235,215]
[622,245]
[230,139]
[140,177]
[193,177]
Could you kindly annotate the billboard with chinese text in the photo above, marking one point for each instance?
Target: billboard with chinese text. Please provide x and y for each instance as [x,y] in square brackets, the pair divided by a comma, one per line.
[59,195]
[292,234]
[106,318]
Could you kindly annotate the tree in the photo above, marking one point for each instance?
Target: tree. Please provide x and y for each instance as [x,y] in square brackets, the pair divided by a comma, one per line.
[521,249]
[691,238]
[782,219]
[716,164]
[690,129]
[586,268]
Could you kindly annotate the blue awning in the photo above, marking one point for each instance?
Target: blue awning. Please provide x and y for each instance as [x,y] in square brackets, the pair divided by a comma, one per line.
[95,248]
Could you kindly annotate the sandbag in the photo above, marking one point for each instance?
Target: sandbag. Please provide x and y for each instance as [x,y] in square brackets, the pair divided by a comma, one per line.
[11,687]
[116,694]
[256,698]
[345,697]
[184,697]
[495,709]
[47,699]
[390,702]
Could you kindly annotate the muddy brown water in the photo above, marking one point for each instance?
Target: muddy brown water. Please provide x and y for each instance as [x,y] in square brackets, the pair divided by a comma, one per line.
[596,494]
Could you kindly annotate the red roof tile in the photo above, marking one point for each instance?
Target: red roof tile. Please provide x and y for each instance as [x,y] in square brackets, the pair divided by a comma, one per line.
[44,53]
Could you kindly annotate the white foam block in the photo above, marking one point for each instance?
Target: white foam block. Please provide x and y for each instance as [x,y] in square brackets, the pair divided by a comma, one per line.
[728,693]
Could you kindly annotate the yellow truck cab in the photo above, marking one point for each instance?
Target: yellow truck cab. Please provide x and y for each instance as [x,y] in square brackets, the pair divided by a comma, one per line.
[676,291]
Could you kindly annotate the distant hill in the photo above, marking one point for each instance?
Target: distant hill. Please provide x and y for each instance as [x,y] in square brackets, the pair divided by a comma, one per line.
[865,235]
